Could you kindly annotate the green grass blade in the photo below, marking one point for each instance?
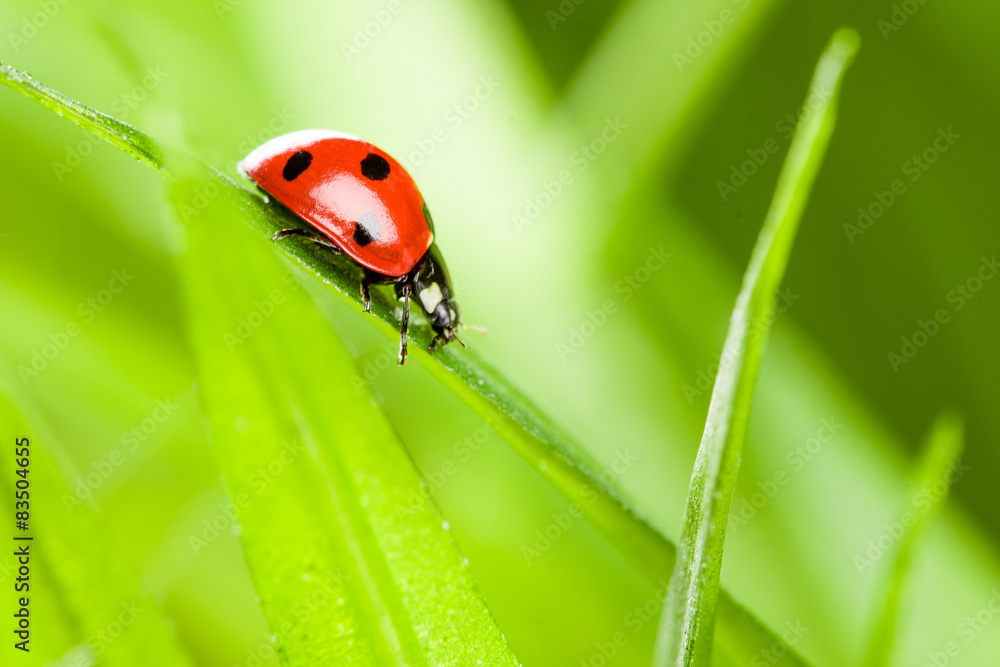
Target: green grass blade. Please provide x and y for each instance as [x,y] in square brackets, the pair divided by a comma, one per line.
[686,628]
[343,572]
[121,135]
[546,448]
[934,475]
[110,619]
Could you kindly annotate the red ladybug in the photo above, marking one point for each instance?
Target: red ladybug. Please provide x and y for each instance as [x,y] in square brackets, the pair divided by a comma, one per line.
[360,202]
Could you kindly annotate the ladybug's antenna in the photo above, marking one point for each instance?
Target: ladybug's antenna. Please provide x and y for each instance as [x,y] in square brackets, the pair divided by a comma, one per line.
[482,330]
[455,336]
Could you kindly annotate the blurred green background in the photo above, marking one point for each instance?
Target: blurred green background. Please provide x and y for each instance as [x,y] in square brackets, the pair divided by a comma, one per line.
[487,103]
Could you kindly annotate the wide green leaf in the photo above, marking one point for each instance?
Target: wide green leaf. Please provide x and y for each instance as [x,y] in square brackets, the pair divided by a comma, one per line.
[318,478]
[688,620]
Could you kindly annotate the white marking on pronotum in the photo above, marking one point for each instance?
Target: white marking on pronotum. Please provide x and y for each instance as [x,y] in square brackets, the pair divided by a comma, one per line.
[284,143]
[431,297]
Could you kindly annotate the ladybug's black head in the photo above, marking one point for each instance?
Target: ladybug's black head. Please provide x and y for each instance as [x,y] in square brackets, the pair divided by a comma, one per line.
[432,289]
[444,317]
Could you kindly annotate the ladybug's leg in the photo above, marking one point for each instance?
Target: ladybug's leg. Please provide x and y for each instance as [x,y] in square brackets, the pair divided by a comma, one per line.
[372,278]
[310,234]
[366,295]
[404,328]
[434,343]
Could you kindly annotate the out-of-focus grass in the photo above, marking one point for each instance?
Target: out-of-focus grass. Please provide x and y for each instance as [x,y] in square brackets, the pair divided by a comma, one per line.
[260,65]
[939,467]
[95,605]
[532,435]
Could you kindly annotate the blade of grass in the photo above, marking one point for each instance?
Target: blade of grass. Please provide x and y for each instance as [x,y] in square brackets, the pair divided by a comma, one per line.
[933,478]
[110,617]
[322,475]
[543,444]
[121,135]
[688,620]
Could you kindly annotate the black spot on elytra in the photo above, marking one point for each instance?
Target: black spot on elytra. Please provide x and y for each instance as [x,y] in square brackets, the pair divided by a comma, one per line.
[361,235]
[367,229]
[375,167]
[297,164]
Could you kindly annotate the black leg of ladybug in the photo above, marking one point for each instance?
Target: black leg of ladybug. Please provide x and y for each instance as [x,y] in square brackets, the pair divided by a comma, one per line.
[405,326]
[366,295]
[310,234]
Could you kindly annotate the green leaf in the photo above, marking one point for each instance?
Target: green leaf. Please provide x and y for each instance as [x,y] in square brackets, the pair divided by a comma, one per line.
[686,627]
[121,135]
[351,560]
[104,613]
[933,477]
[543,445]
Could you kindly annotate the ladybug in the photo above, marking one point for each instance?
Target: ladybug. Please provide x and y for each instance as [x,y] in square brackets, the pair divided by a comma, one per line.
[359,201]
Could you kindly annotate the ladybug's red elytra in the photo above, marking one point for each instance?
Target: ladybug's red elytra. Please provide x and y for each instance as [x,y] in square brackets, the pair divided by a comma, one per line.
[357,200]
